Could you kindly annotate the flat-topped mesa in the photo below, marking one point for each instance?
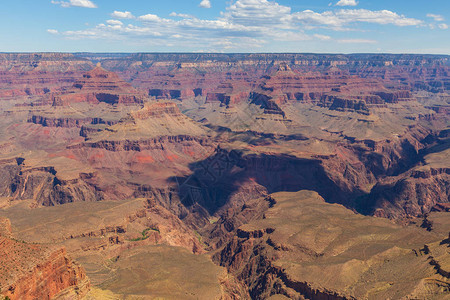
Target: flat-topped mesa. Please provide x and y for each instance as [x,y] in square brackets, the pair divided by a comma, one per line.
[288,85]
[38,74]
[99,85]
[228,93]
[155,120]
[155,110]
[333,88]
[285,68]
[395,96]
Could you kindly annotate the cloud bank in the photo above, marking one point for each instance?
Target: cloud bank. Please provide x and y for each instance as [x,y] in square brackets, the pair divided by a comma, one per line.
[244,23]
[76,3]
[347,3]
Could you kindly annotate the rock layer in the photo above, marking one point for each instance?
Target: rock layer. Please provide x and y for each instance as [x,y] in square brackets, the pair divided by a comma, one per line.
[32,271]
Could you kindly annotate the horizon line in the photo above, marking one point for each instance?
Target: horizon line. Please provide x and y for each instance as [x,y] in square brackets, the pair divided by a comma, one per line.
[225,53]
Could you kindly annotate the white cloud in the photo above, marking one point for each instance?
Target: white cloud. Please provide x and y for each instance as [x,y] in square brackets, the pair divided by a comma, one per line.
[356,41]
[244,25]
[52,31]
[322,37]
[149,18]
[205,4]
[259,13]
[122,15]
[379,17]
[443,26]
[186,16]
[342,17]
[347,3]
[78,3]
[438,18]
[114,22]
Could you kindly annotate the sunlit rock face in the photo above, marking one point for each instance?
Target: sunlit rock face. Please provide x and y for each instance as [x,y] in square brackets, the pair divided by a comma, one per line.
[231,176]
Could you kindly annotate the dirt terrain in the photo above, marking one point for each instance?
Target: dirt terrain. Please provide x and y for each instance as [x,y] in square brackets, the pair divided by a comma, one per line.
[224,176]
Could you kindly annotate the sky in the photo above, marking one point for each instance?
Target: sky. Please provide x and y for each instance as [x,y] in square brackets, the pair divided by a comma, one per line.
[313,26]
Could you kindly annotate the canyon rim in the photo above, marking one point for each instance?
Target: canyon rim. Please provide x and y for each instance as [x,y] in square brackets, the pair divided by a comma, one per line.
[213,150]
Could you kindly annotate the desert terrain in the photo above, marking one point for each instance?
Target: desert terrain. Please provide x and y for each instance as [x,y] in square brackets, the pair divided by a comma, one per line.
[224,176]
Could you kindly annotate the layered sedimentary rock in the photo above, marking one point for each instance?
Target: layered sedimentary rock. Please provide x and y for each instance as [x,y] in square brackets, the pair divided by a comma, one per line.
[333,88]
[155,120]
[304,248]
[130,235]
[207,71]
[68,121]
[42,185]
[136,180]
[23,74]
[99,85]
[33,271]
[417,191]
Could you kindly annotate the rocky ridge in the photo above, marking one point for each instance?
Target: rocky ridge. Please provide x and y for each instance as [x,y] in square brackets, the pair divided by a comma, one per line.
[31,271]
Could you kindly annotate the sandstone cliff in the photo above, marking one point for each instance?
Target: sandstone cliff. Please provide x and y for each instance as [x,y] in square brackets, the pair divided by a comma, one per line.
[32,271]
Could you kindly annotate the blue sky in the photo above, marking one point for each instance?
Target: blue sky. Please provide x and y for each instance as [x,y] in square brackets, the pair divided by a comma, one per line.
[324,26]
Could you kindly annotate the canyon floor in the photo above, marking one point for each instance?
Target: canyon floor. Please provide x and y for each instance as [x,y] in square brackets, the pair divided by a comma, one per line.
[210,176]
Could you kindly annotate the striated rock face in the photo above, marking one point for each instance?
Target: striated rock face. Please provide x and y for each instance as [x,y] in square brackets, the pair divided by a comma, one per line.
[227,181]
[430,76]
[333,88]
[64,122]
[172,76]
[23,74]
[43,186]
[147,144]
[99,85]
[156,121]
[342,104]
[395,96]
[157,110]
[304,248]
[417,190]
[413,194]
[32,271]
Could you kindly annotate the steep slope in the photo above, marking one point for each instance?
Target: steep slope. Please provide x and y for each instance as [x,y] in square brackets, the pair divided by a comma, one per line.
[32,271]
[37,74]
[154,120]
[417,191]
[99,85]
[304,247]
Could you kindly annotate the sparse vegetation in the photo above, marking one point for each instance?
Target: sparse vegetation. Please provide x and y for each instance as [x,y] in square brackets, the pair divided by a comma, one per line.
[144,234]
[213,220]
[200,238]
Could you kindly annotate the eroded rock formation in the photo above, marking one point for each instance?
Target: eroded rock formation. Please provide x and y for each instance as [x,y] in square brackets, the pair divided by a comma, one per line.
[33,271]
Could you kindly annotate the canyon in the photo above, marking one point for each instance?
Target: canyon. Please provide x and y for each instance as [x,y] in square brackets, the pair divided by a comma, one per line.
[224,176]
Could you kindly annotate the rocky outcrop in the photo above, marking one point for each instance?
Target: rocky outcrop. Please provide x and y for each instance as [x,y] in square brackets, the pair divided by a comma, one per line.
[267,103]
[395,96]
[71,122]
[37,74]
[43,186]
[99,85]
[140,145]
[156,110]
[414,193]
[32,271]
[64,122]
[287,252]
[342,177]
[342,104]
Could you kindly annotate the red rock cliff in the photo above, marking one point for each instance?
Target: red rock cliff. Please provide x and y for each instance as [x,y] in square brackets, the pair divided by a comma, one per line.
[32,271]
